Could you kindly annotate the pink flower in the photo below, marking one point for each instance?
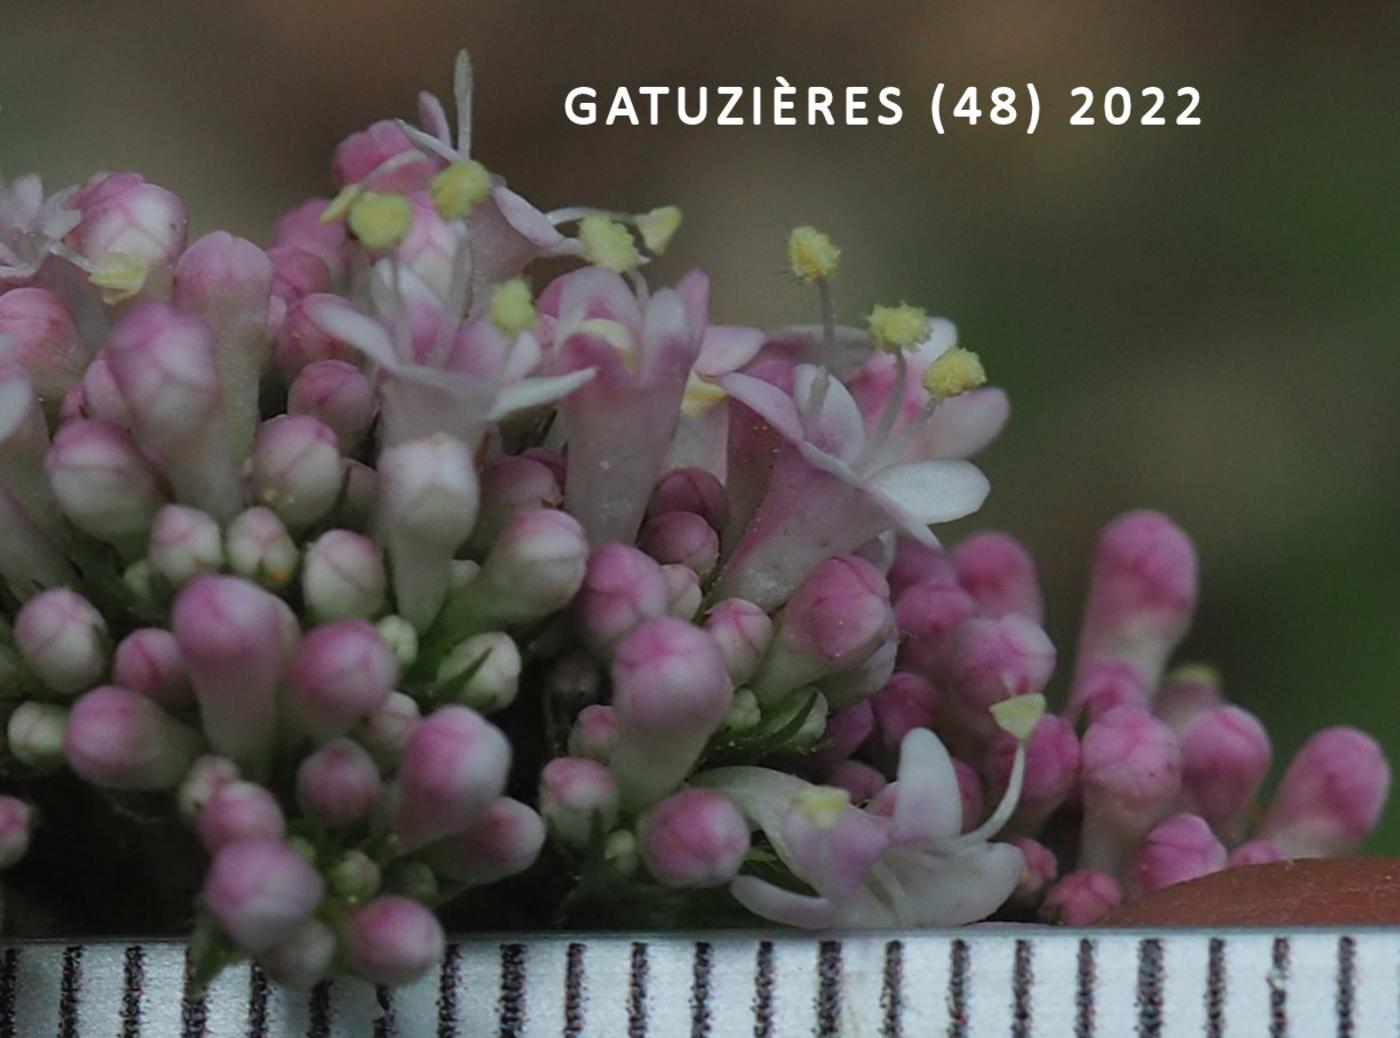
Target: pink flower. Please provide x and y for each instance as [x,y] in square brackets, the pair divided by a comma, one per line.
[454,766]
[261,892]
[103,483]
[38,334]
[393,940]
[998,572]
[339,783]
[1130,772]
[1331,796]
[578,799]
[342,673]
[63,639]
[1176,850]
[1225,755]
[504,841]
[118,739]
[694,839]
[31,226]
[1082,898]
[339,396]
[240,811]
[148,661]
[622,589]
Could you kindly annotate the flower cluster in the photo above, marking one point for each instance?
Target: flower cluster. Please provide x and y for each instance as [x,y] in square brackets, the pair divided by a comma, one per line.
[394,579]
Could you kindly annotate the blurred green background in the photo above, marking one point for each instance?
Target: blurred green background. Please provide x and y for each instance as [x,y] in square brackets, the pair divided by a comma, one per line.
[1199,320]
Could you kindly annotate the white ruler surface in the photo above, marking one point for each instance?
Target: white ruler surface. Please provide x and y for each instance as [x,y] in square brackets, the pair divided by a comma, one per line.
[1009,982]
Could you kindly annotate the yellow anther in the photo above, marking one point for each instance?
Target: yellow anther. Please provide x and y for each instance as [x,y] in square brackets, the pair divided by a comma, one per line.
[607,243]
[1018,716]
[811,254]
[118,277]
[954,373]
[658,227]
[338,206]
[380,221]
[513,307]
[896,328]
[822,805]
[615,335]
[701,394]
[459,187]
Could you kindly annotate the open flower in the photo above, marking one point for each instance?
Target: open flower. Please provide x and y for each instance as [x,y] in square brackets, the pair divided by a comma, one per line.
[31,226]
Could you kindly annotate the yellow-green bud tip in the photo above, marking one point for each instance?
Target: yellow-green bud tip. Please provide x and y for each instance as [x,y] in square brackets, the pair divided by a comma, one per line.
[118,277]
[896,328]
[1019,716]
[954,373]
[459,187]
[380,221]
[822,804]
[658,227]
[512,307]
[607,243]
[811,254]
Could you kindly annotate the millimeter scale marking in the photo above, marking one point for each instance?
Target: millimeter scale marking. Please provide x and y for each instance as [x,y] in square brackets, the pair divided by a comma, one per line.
[1003,981]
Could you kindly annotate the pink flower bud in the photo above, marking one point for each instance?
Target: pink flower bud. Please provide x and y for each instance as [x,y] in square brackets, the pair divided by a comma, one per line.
[1038,872]
[148,661]
[302,228]
[38,334]
[296,274]
[1104,684]
[261,892]
[535,568]
[362,153]
[1000,576]
[907,701]
[1130,771]
[207,775]
[683,594]
[454,765]
[1225,755]
[304,959]
[511,485]
[970,791]
[858,779]
[63,639]
[104,484]
[683,538]
[594,734]
[834,620]
[240,811]
[857,684]
[1331,796]
[296,468]
[1052,764]
[124,214]
[1141,595]
[339,396]
[102,398]
[998,659]
[429,248]
[385,732]
[1255,852]
[622,588]
[1081,898]
[914,563]
[578,799]
[692,490]
[846,730]
[16,820]
[493,663]
[393,940]
[694,839]
[670,694]
[185,542]
[343,576]
[260,548]
[1180,848]
[928,615]
[119,739]
[165,365]
[1187,692]
[504,841]
[231,636]
[742,630]
[341,675]
[339,783]
[34,735]
[301,342]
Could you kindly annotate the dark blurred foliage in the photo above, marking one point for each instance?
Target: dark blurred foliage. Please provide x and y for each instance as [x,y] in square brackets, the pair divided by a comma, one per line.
[1198,320]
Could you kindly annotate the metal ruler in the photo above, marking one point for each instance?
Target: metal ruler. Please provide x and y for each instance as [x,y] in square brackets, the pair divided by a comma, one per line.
[1015,982]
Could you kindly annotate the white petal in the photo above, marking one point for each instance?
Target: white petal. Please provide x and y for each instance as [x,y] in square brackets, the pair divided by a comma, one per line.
[957,890]
[927,803]
[727,348]
[964,425]
[942,337]
[767,401]
[933,491]
[782,906]
[340,320]
[841,430]
[531,392]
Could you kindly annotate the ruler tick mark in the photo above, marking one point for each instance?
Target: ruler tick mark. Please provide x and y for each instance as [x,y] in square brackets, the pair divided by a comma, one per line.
[510,1007]
[573,991]
[448,979]
[700,990]
[1346,987]
[194,1009]
[385,1026]
[763,991]
[1022,977]
[957,989]
[1215,990]
[319,1011]
[68,992]
[1149,988]
[1278,989]
[9,981]
[829,989]
[637,992]
[133,979]
[892,991]
[1085,979]
[257,1002]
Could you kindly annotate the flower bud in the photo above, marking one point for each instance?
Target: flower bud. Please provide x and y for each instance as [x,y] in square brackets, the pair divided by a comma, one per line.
[296,274]
[742,630]
[302,342]
[683,594]
[1331,796]
[118,739]
[1141,595]
[1081,898]
[857,684]
[341,675]
[343,577]
[535,568]
[670,694]
[493,664]
[240,811]
[339,783]
[504,841]
[260,548]
[1104,684]
[694,839]
[1037,873]
[915,562]
[362,153]
[1187,692]
[103,483]
[393,940]
[304,959]
[124,215]
[835,619]
[63,639]
[622,588]
[385,732]
[34,735]
[102,398]
[578,799]
[454,765]
[412,879]
[1255,852]
[692,490]
[16,821]
[296,468]
[1180,848]
[998,659]
[857,778]
[261,892]
[184,543]
[232,637]
[1225,755]
[39,335]
[206,776]
[1130,770]
[148,661]
[509,486]
[594,734]
[355,876]
[339,396]
[683,538]
[1000,576]
[907,701]
[845,731]
[1052,764]
[302,228]
[928,614]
